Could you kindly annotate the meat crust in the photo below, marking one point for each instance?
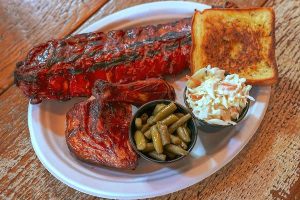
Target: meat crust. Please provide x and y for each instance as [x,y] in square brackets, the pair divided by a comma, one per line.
[97,130]
[135,93]
[98,133]
[65,68]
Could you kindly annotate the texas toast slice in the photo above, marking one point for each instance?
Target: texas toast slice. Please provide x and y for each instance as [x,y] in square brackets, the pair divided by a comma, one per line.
[240,41]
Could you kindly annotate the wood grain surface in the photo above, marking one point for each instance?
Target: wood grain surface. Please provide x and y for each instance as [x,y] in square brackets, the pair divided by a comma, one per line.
[267,168]
[28,23]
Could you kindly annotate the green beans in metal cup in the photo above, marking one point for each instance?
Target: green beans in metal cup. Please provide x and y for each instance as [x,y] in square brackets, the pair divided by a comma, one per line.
[162,133]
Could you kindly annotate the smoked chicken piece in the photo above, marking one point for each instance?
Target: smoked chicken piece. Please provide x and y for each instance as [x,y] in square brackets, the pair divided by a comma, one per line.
[65,68]
[136,93]
[98,133]
[97,130]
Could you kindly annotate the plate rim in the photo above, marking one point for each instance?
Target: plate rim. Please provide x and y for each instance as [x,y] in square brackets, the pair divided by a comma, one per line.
[105,194]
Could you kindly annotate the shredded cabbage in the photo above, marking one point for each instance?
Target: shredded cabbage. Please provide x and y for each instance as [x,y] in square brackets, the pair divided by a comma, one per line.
[216,98]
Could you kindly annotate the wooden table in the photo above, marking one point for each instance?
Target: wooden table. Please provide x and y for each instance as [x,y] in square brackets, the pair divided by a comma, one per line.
[267,168]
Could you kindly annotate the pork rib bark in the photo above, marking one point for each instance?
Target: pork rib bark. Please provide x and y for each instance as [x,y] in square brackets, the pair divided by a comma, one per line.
[65,68]
[97,130]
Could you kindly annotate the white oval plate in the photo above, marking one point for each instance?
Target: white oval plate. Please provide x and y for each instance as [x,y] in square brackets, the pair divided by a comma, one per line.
[212,151]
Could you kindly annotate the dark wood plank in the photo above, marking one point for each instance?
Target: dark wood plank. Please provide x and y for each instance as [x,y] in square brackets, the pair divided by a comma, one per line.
[116,5]
[27,23]
[22,176]
[267,168]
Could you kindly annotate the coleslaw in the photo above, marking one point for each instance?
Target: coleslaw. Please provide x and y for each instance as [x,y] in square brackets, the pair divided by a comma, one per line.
[216,98]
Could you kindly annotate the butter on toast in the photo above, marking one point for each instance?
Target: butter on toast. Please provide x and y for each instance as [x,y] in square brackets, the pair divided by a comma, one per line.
[240,41]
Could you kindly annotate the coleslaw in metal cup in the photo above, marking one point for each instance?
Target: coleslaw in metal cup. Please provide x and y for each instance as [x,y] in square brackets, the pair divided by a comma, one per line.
[215,99]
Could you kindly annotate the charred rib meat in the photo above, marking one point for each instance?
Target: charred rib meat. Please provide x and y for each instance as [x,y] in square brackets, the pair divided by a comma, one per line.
[65,68]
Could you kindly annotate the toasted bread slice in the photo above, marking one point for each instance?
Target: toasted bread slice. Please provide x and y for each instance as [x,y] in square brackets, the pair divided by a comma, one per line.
[240,41]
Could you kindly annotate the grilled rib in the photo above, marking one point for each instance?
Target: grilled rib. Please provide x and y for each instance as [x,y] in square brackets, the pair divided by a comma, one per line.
[65,68]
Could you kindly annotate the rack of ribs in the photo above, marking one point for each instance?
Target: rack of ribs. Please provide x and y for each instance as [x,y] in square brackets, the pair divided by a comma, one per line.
[97,130]
[65,68]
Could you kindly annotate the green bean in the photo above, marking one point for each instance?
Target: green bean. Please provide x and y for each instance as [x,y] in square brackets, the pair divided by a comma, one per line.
[148,134]
[144,118]
[183,145]
[179,115]
[170,120]
[164,134]
[170,155]
[145,128]
[165,112]
[150,120]
[157,156]
[176,149]
[149,147]
[187,130]
[183,134]
[158,108]
[140,140]
[179,123]
[138,123]
[175,140]
[156,140]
